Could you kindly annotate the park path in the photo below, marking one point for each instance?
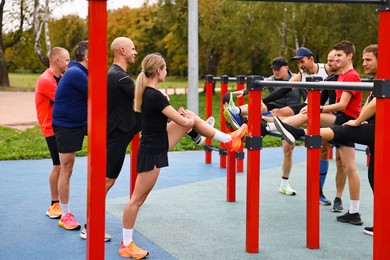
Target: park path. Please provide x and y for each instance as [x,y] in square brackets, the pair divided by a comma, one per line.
[17,109]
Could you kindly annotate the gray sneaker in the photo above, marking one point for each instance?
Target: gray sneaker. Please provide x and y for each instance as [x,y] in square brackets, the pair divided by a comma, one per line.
[83,234]
[337,205]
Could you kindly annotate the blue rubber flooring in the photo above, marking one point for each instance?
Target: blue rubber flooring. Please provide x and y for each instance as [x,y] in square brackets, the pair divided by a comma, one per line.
[186,215]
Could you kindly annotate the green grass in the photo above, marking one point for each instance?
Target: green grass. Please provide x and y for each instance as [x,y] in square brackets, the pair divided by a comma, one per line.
[23,81]
[27,82]
[30,144]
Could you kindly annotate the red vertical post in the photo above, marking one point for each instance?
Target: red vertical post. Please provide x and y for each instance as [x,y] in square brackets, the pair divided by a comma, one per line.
[382,142]
[240,101]
[97,125]
[222,125]
[231,177]
[330,154]
[209,111]
[313,173]
[134,146]
[253,169]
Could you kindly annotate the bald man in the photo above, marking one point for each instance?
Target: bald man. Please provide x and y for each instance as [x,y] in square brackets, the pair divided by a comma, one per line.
[122,122]
[44,99]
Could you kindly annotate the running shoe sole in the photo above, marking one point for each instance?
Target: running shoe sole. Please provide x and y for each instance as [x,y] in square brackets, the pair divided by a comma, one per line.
[283,131]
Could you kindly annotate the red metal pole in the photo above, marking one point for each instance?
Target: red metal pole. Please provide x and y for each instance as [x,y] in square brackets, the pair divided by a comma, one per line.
[231,177]
[134,146]
[240,102]
[330,154]
[253,175]
[222,125]
[209,111]
[97,125]
[382,142]
[313,173]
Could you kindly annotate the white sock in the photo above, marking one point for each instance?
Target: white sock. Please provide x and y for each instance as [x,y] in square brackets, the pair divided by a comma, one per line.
[127,236]
[271,127]
[64,208]
[284,180]
[221,136]
[354,206]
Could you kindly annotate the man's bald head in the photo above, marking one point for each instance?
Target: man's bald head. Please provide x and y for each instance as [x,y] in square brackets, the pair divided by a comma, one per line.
[124,51]
[120,42]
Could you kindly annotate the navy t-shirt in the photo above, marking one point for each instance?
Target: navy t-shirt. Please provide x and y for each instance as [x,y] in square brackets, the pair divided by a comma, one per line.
[154,138]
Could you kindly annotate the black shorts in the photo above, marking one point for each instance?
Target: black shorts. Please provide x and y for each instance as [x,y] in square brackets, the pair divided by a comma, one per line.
[271,106]
[341,118]
[69,140]
[117,142]
[297,107]
[146,162]
[52,145]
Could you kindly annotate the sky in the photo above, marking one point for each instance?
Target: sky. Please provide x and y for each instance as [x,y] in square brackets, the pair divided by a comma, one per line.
[80,7]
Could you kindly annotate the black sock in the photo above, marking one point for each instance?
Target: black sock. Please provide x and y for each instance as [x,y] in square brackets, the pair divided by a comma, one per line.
[54,201]
[193,134]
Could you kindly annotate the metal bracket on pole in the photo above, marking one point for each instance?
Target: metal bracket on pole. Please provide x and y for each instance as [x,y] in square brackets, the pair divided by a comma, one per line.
[224,79]
[254,142]
[384,7]
[251,83]
[222,151]
[210,78]
[240,79]
[240,155]
[313,141]
[382,88]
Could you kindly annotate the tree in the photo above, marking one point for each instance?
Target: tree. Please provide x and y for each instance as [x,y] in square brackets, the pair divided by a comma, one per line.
[11,38]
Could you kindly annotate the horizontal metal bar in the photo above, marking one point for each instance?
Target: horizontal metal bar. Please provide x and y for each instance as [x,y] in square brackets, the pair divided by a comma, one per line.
[333,85]
[381,2]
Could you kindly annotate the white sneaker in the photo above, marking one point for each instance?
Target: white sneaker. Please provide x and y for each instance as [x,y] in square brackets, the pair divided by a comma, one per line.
[286,189]
[200,140]
[83,234]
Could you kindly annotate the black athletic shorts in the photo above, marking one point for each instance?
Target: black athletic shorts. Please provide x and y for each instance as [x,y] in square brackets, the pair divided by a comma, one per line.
[341,118]
[146,162]
[117,142]
[69,140]
[297,107]
[52,145]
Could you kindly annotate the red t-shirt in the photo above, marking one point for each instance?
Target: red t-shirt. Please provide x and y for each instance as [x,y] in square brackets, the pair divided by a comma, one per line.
[44,97]
[354,105]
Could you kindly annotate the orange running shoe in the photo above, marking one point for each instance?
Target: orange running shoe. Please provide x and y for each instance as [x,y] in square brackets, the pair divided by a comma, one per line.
[54,211]
[69,222]
[235,143]
[132,251]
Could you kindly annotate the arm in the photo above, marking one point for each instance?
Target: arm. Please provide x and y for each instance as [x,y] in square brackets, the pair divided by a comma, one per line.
[279,93]
[339,106]
[368,111]
[185,119]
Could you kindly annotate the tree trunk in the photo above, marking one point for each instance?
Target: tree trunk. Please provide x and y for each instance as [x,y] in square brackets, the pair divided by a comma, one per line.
[39,22]
[4,79]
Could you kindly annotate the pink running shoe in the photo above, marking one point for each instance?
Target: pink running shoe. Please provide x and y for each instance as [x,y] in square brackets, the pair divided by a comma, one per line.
[69,222]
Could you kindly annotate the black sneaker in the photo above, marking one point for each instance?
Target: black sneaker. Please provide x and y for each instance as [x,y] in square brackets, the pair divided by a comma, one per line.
[289,133]
[337,205]
[369,231]
[353,219]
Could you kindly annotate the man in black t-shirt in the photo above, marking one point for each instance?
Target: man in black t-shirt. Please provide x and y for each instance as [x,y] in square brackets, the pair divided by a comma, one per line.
[122,122]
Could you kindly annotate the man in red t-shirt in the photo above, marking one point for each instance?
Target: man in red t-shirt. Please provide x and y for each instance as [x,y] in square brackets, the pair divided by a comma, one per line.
[44,99]
[345,51]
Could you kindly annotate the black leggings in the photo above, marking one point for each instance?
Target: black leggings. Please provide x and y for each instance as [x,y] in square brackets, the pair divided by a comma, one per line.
[362,134]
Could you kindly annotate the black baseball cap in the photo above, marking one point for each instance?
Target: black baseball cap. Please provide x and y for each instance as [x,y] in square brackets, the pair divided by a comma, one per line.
[279,62]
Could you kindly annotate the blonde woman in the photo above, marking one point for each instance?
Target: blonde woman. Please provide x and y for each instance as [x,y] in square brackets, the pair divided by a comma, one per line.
[162,129]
